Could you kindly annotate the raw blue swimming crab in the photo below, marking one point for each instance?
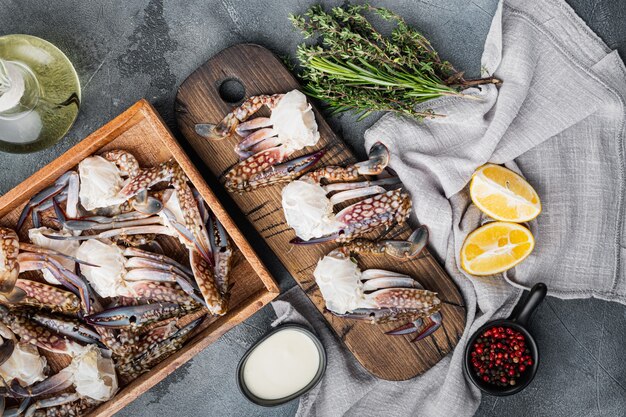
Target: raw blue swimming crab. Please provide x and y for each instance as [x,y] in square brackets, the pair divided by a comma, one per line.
[377,295]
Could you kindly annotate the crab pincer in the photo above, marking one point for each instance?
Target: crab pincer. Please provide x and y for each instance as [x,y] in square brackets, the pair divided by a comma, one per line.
[134,316]
[376,295]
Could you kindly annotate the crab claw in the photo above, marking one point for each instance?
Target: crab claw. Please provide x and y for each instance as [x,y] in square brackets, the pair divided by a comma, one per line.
[259,169]
[410,248]
[126,316]
[433,323]
[377,161]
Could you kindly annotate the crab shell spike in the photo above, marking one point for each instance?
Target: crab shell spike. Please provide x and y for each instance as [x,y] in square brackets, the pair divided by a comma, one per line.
[260,170]
[203,273]
[46,296]
[125,316]
[9,269]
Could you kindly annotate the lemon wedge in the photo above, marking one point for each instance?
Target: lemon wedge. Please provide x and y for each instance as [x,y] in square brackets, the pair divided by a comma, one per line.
[496,247]
[503,195]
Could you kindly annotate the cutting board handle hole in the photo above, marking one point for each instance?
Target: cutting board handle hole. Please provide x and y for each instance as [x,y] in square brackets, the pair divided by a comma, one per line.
[232,91]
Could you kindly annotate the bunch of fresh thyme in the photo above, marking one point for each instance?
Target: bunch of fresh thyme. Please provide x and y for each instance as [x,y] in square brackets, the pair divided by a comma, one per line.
[356,67]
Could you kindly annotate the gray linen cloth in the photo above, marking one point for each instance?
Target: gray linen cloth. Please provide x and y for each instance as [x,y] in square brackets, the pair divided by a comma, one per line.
[558,119]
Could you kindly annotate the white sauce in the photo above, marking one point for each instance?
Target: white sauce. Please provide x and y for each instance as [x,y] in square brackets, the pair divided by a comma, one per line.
[281,365]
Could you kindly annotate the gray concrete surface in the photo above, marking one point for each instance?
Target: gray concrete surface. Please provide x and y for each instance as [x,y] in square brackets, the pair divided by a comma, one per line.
[126,50]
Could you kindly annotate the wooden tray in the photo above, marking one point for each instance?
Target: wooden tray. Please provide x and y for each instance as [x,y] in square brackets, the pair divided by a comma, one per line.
[141,131]
[260,72]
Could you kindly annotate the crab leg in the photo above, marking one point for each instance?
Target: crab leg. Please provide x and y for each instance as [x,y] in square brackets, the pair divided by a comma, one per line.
[9,265]
[342,196]
[46,296]
[172,172]
[434,323]
[162,292]
[50,385]
[157,275]
[131,367]
[229,124]
[139,262]
[68,181]
[34,261]
[404,298]
[134,316]
[259,169]
[390,282]
[128,252]
[223,253]
[38,335]
[8,341]
[376,164]
[133,230]
[16,411]
[71,328]
[203,273]
[399,249]
[36,217]
[248,146]
[257,123]
[343,186]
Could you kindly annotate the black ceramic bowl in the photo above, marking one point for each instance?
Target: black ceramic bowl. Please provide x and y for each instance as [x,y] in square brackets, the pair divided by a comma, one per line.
[316,379]
[516,322]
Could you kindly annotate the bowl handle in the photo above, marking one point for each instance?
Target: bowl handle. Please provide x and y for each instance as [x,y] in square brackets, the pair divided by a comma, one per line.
[532,301]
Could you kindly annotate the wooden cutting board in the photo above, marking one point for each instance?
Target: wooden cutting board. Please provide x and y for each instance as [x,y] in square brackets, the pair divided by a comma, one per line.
[255,70]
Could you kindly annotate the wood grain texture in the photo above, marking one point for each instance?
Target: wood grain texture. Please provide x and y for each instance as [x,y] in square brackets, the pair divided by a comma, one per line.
[141,131]
[260,72]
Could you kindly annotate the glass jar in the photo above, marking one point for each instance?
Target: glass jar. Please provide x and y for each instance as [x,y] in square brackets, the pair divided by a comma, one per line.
[39,94]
